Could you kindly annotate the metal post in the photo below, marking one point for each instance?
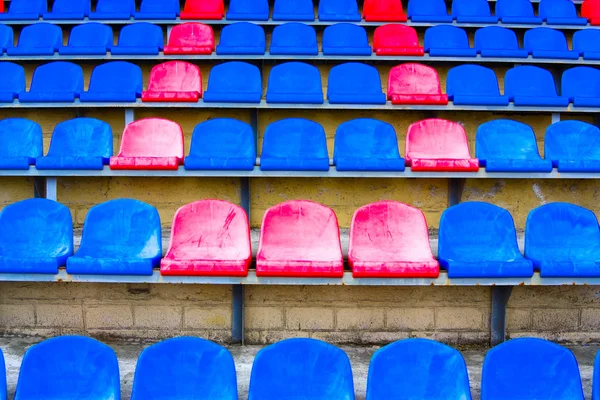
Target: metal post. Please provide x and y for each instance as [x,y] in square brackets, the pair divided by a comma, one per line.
[555,117]
[39,187]
[237,314]
[51,189]
[129,116]
[500,296]
[455,190]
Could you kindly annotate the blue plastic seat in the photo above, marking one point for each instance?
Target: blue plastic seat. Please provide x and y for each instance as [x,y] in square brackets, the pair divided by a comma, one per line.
[293,10]
[366,144]
[563,240]
[473,11]
[587,43]
[294,144]
[428,11]
[478,240]
[120,237]
[69,367]
[12,82]
[42,39]
[346,39]
[115,81]
[79,144]
[58,81]
[234,82]
[7,38]
[20,143]
[530,368]
[25,10]
[222,144]
[582,86]
[354,83]
[158,9]
[516,12]
[560,12]
[573,146]
[113,10]
[295,82]
[474,85]
[509,146]
[417,369]
[339,10]
[36,237]
[141,38]
[294,38]
[532,86]
[497,41]
[185,368]
[89,39]
[248,10]
[242,38]
[69,10]
[448,41]
[548,43]
[301,369]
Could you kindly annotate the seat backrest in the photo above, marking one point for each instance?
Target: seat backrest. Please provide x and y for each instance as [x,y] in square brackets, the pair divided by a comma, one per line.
[20,137]
[69,367]
[188,367]
[436,138]
[354,78]
[472,80]
[13,77]
[557,8]
[504,139]
[116,6]
[338,7]
[192,34]
[292,9]
[82,137]
[590,9]
[57,76]
[210,224]
[76,6]
[36,228]
[586,40]
[28,6]
[122,228]
[417,369]
[223,137]
[366,138]
[41,35]
[294,138]
[244,35]
[528,80]
[299,229]
[514,8]
[426,7]
[175,76]
[496,37]
[382,8]
[543,38]
[294,34]
[235,77]
[446,37]
[116,76]
[581,81]
[7,37]
[413,78]
[249,7]
[159,6]
[395,35]
[571,140]
[91,34]
[530,368]
[345,35]
[295,77]
[301,369]
[203,6]
[141,34]
[390,229]
[471,8]
[152,137]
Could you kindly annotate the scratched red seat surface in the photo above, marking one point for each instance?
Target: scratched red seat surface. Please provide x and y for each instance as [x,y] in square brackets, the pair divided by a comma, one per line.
[590,9]
[151,143]
[203,9]
[300,238]
[209,237]
[396,40]
[191,38]
[383,10]
[389,239]
[438,145]
[415,84]
[174,81]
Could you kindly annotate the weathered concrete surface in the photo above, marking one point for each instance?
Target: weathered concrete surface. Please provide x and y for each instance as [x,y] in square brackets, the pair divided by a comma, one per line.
[14,348]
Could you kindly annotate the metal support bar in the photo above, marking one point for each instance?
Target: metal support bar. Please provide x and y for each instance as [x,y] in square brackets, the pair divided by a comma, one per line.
[555,117]
[500,296]
[129,116]
[39,187]
[455,190]
[237,314]
[51,189]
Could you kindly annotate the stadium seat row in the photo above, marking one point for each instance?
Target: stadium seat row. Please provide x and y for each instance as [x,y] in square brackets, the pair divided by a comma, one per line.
[296,82]
[293,38]
[70,367]
[299,238]
[562,12]
[297,144]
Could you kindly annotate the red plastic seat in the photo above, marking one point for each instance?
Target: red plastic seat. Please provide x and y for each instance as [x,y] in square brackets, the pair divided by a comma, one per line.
[590,9]
[209,238]
[383,10]
[174,81]
[300,238]
[203,9]
[389,239]
[151,143]
[438,145]
[415,84]
[397,40]
[191,38]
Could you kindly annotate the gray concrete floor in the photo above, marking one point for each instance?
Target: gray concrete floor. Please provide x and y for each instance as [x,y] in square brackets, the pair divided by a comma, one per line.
[127,352]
